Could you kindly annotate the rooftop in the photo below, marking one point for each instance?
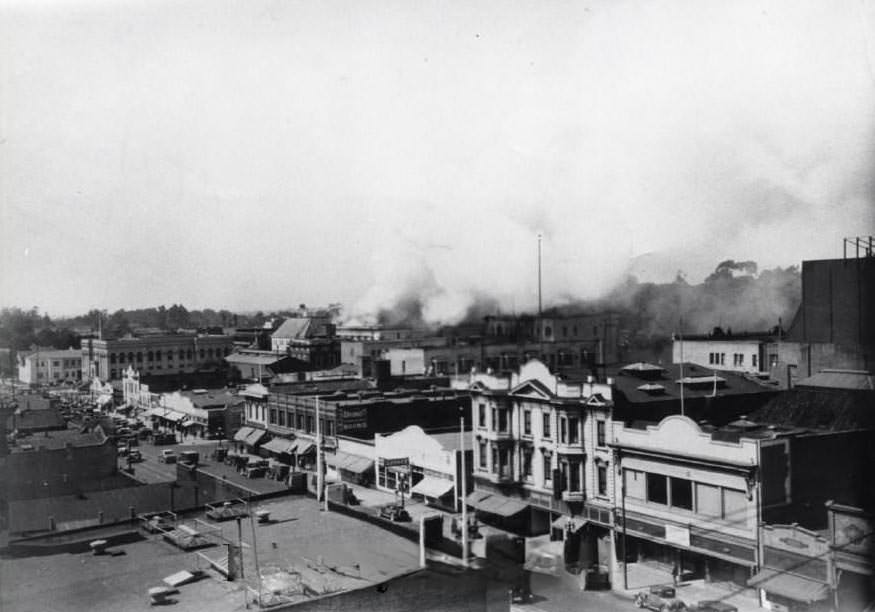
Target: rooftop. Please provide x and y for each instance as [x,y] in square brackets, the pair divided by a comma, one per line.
[328,549]
[54,440]
[851,380]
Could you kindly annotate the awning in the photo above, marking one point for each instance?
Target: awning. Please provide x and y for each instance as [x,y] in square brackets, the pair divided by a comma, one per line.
[255,437]
[172,415]
[791,586]
[433,487]
[278,445]
[189,423]
[350,462]
[495,504]
[242,433]
[305,447]
[562,521]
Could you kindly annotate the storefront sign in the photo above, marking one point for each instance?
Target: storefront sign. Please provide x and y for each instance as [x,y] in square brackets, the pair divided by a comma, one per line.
[677,535]
[400,462]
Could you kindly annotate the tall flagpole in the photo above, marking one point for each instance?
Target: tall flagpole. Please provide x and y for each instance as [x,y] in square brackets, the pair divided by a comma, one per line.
[681,336]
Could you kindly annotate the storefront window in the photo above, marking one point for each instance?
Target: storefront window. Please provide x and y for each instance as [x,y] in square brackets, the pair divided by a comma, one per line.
[657,489]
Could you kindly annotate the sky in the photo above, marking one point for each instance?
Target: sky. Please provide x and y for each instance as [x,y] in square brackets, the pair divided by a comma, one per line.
[260,154]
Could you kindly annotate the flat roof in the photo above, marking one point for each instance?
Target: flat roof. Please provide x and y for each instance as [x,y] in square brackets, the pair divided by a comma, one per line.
[300,535]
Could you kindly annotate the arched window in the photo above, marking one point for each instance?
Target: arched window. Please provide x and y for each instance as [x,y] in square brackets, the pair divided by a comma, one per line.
[202,353]
[121,357]
[149,356]
[112,357]
[181,354]
[157,355]
[139,356]
[131,357]
[210,353]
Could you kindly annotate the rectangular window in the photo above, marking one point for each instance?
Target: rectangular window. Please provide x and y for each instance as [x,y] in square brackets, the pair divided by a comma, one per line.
[494,460]
[681,493]
[603,480]
[546,423]
[708,500]
[502,419]
[494,419]
[548,467]
[481,449]
[734,506]
[753,360]
[527,463]
[527,422]
[600,433]
[573,430]
[711,358]
[722,358]
[563,430]
[273,416]
[481,415]
[309,424]
[574,476]
[657,489]
[282,418]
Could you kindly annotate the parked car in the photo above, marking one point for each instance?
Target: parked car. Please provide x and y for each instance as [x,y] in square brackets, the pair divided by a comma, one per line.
[135,456]
[660,598]
[395,512]
[167,456]
[712,605]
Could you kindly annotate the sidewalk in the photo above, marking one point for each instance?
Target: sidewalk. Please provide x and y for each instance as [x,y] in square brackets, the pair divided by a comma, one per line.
[641,576]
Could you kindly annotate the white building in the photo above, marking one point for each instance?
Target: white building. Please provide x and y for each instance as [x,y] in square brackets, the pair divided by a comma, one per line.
[50,366]
[427,466]
[743,353]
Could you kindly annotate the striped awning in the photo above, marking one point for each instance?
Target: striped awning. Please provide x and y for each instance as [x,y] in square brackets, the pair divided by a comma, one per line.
[494,503]
[279,445]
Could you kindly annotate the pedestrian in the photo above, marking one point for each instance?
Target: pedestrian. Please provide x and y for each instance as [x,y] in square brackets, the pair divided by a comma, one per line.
[675,572]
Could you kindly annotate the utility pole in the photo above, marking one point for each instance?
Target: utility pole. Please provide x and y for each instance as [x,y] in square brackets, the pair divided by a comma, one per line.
[319,476]
[464,493]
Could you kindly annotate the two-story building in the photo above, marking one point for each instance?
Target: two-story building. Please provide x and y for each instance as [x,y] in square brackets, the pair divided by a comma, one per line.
[199,413]
[50,366]
[154,356]
[687,497]
[541,454]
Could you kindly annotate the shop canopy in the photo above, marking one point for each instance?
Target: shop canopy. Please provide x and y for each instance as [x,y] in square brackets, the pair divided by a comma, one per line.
[303,447]
[793,587]
[493,503]
[189,423]
[562,521]
[279,445]
[433,487]
[352,463]
[242,434]
[255,436]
